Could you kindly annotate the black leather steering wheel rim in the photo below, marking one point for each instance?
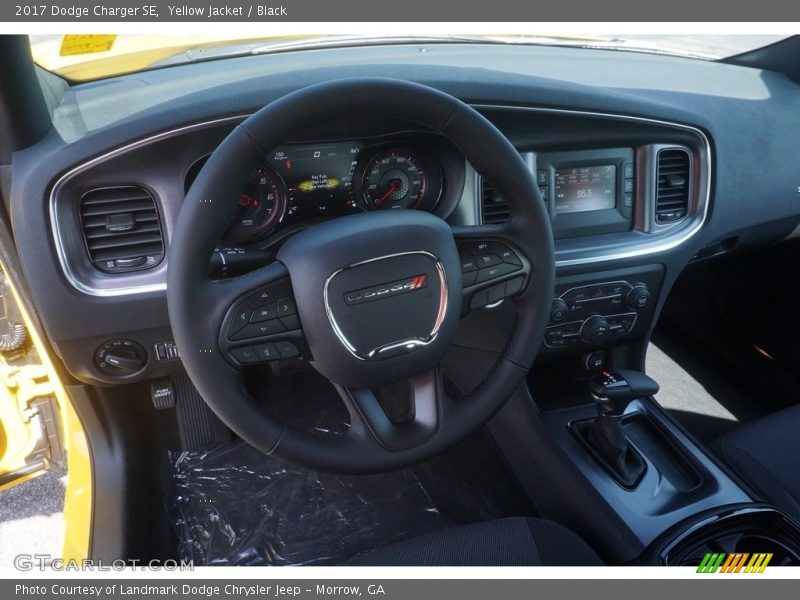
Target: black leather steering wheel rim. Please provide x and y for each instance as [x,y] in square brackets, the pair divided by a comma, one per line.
[197,305]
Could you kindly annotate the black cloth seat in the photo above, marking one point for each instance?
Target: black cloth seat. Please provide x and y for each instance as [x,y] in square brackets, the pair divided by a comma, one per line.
[764,453]
[505,542]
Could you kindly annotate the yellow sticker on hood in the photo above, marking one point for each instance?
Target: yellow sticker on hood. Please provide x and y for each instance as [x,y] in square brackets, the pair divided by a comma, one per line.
[75,44]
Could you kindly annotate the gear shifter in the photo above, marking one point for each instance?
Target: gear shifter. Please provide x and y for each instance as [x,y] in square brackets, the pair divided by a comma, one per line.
[612,392]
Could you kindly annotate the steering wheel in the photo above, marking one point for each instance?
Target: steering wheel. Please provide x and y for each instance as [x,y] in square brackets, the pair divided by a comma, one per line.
[368,299]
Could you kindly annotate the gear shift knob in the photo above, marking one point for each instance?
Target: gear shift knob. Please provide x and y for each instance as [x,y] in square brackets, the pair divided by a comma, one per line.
[614,390]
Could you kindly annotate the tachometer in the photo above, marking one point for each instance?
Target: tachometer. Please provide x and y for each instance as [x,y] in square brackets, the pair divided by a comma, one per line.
[395,179]
[262,204]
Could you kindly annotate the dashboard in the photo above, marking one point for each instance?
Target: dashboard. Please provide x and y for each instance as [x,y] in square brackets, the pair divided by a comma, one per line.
[644,167]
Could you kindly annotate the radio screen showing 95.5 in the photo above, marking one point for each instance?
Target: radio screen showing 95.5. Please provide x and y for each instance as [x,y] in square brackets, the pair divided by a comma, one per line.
[585,189]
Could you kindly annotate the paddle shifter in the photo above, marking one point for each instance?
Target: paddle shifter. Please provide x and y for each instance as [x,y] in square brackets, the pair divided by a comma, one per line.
[612,392]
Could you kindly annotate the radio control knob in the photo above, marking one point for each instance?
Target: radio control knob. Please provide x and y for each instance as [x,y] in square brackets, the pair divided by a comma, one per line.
[595,330]
[559,311]
[638,297]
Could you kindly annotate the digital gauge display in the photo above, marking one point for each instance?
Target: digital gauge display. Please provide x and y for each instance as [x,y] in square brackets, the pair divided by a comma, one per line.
[318,178]
[584,189]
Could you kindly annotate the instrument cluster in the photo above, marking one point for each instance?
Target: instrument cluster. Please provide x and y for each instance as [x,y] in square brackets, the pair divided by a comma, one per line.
[300,183]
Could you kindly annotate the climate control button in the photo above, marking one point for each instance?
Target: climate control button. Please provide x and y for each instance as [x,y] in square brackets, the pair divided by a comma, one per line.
[638,297]
[559,311]
[595,330]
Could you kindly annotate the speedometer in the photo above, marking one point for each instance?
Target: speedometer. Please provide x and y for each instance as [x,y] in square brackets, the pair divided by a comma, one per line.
[395,179]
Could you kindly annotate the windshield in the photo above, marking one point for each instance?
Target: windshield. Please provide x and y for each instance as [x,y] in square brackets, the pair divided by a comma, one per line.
[86,57]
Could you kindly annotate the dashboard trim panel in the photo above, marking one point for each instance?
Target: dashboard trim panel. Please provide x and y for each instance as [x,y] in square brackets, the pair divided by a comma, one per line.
[665,243]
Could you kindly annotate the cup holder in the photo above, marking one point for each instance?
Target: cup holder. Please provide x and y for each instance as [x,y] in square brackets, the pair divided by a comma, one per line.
[781,555]
[750,529]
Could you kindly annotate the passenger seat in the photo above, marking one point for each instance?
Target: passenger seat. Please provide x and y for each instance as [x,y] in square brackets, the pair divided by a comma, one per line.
[765,453]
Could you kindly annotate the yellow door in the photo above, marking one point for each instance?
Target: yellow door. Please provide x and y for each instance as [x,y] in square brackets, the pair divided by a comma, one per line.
[30,425]
[39,428]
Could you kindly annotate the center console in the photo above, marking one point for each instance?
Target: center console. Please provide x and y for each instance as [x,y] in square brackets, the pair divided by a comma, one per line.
[607,459]
[618,470]
[610,308]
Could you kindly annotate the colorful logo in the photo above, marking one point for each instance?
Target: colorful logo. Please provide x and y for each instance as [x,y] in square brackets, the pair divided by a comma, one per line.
[737,562]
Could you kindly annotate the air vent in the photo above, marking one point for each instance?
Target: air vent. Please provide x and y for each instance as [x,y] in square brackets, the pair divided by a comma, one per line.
[672,197]
[121,229]
[495,207]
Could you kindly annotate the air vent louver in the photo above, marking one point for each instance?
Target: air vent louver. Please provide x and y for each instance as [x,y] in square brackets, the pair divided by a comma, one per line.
[672,197]
[121,229]
[495,207]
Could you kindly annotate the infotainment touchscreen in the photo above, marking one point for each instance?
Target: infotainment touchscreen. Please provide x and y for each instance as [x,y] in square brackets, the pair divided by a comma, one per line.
[585,189]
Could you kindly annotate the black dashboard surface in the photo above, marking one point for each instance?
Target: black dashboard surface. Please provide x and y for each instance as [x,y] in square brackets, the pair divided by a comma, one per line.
[750,117]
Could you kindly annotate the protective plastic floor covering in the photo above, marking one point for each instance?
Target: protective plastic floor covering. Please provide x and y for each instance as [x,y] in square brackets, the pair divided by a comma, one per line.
[234,505]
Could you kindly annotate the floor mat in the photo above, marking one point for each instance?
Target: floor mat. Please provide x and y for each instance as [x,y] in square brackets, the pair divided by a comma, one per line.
[234,505]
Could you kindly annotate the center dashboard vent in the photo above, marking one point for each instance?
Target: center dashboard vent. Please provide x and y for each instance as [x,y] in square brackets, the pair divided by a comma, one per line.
[494,206]
[672,196]
[121,229]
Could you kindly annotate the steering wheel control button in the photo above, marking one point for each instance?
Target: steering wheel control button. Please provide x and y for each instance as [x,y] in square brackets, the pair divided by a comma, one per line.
[510,257]
[245,355]
[266,352]
[270,311]
[483,261]
[488,260]
[494,272]
[468,279]
[469,269]
[291,322]
[499,249]
[286,308]
[287,349]
[240,318]
[468,263]
[506,254]
[475,248]
[496,293]
[256,330]
[268,295]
